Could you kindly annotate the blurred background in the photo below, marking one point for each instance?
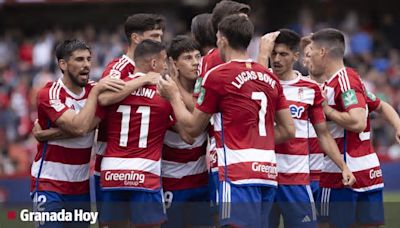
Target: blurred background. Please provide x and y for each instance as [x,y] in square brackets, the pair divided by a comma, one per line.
[30,30]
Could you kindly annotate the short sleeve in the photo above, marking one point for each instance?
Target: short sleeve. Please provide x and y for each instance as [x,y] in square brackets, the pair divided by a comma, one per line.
[52,105]
[210,95]
[352,94]
[373,101]
[316,111]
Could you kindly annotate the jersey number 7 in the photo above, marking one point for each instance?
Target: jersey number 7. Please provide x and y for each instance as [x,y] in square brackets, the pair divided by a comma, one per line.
[144,124]
[261,113]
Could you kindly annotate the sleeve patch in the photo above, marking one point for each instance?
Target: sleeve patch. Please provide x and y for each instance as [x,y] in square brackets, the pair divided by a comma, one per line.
[201,96]
[349,98]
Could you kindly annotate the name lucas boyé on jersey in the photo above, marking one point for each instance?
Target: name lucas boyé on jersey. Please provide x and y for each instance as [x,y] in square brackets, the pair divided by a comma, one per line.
[248,75]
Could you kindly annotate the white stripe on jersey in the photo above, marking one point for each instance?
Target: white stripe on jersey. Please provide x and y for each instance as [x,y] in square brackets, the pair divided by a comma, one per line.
[355,164]
[173,140]
[316,161]
[292,94]
[75,143]
[287,163]
[142,164]
[301,128]
[61,172]
[245,155]
[179,170]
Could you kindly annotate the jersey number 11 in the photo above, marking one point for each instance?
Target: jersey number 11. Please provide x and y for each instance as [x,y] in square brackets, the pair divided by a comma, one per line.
[144,124]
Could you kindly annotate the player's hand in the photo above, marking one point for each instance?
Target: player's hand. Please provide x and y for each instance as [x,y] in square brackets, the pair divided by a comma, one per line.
[110,83]
[152,78]
[167,88]
[267,43]
[172,70]
[348,177]
[36,129]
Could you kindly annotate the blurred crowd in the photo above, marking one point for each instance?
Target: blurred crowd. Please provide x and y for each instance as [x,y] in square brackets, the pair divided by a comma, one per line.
[27,62]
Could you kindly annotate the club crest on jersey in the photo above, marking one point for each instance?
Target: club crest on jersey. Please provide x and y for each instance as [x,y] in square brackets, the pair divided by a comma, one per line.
[349,98]
[201,96]
[300,93]
[248,65]
[296,111]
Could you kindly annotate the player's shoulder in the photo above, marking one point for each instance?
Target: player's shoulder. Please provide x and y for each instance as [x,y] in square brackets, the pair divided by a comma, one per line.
[216,70]
[50,90]
[119,67]
[308,82]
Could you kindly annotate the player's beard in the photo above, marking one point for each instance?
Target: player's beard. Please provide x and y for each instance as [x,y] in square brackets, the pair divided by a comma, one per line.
[77,78]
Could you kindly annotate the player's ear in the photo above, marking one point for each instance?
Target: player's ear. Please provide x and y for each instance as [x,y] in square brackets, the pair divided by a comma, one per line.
[135,38]
[296,56]
[62,64]
[153,64]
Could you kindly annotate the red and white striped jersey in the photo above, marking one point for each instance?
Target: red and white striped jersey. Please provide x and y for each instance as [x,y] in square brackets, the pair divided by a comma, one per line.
[305,99]
[183,166]
[345,91]
[135,133]
[246,95]
[316,154]
[65,168]
[120,68]
[209,61]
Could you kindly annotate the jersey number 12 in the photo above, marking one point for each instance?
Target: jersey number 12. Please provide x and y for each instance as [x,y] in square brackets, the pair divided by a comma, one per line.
[144,124]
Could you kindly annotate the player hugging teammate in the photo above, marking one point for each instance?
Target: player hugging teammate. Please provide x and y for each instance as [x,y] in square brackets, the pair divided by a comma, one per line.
[196,134]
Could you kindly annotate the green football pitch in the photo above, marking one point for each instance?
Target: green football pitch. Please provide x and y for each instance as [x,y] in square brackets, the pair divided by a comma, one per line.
[391,199]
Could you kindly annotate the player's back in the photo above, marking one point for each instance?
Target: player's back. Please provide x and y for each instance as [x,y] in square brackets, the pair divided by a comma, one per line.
[136,129]
[247,95]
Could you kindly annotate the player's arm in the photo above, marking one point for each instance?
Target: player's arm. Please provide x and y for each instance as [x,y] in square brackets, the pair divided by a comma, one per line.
[354,120]
[185,136]
[112,97]
[391,116]
[329,146]
[49,134]
[193,123]
[82,122]
[267,43]
[284,128]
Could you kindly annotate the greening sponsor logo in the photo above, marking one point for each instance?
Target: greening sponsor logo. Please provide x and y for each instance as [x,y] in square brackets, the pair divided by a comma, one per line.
[197,86]
[201,96]
[349,98]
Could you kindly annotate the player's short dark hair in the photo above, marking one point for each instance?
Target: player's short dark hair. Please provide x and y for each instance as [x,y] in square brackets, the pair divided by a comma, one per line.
[64,50]
[332,39]
[147,48]
[202,30]
[290,38]
[181,44]
[141,22]
[238,30]
[225,8]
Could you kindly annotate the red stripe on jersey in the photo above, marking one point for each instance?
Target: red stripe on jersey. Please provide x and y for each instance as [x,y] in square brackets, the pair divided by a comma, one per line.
[252,170]
[294,178]
[134,179]
[296,146]
[183,155]
[187,182]
[97,163]
[62,187]
[365,179]
[67,155]
[315,175]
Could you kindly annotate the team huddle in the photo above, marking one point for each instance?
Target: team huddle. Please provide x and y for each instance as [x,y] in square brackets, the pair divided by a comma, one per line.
[197,134]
